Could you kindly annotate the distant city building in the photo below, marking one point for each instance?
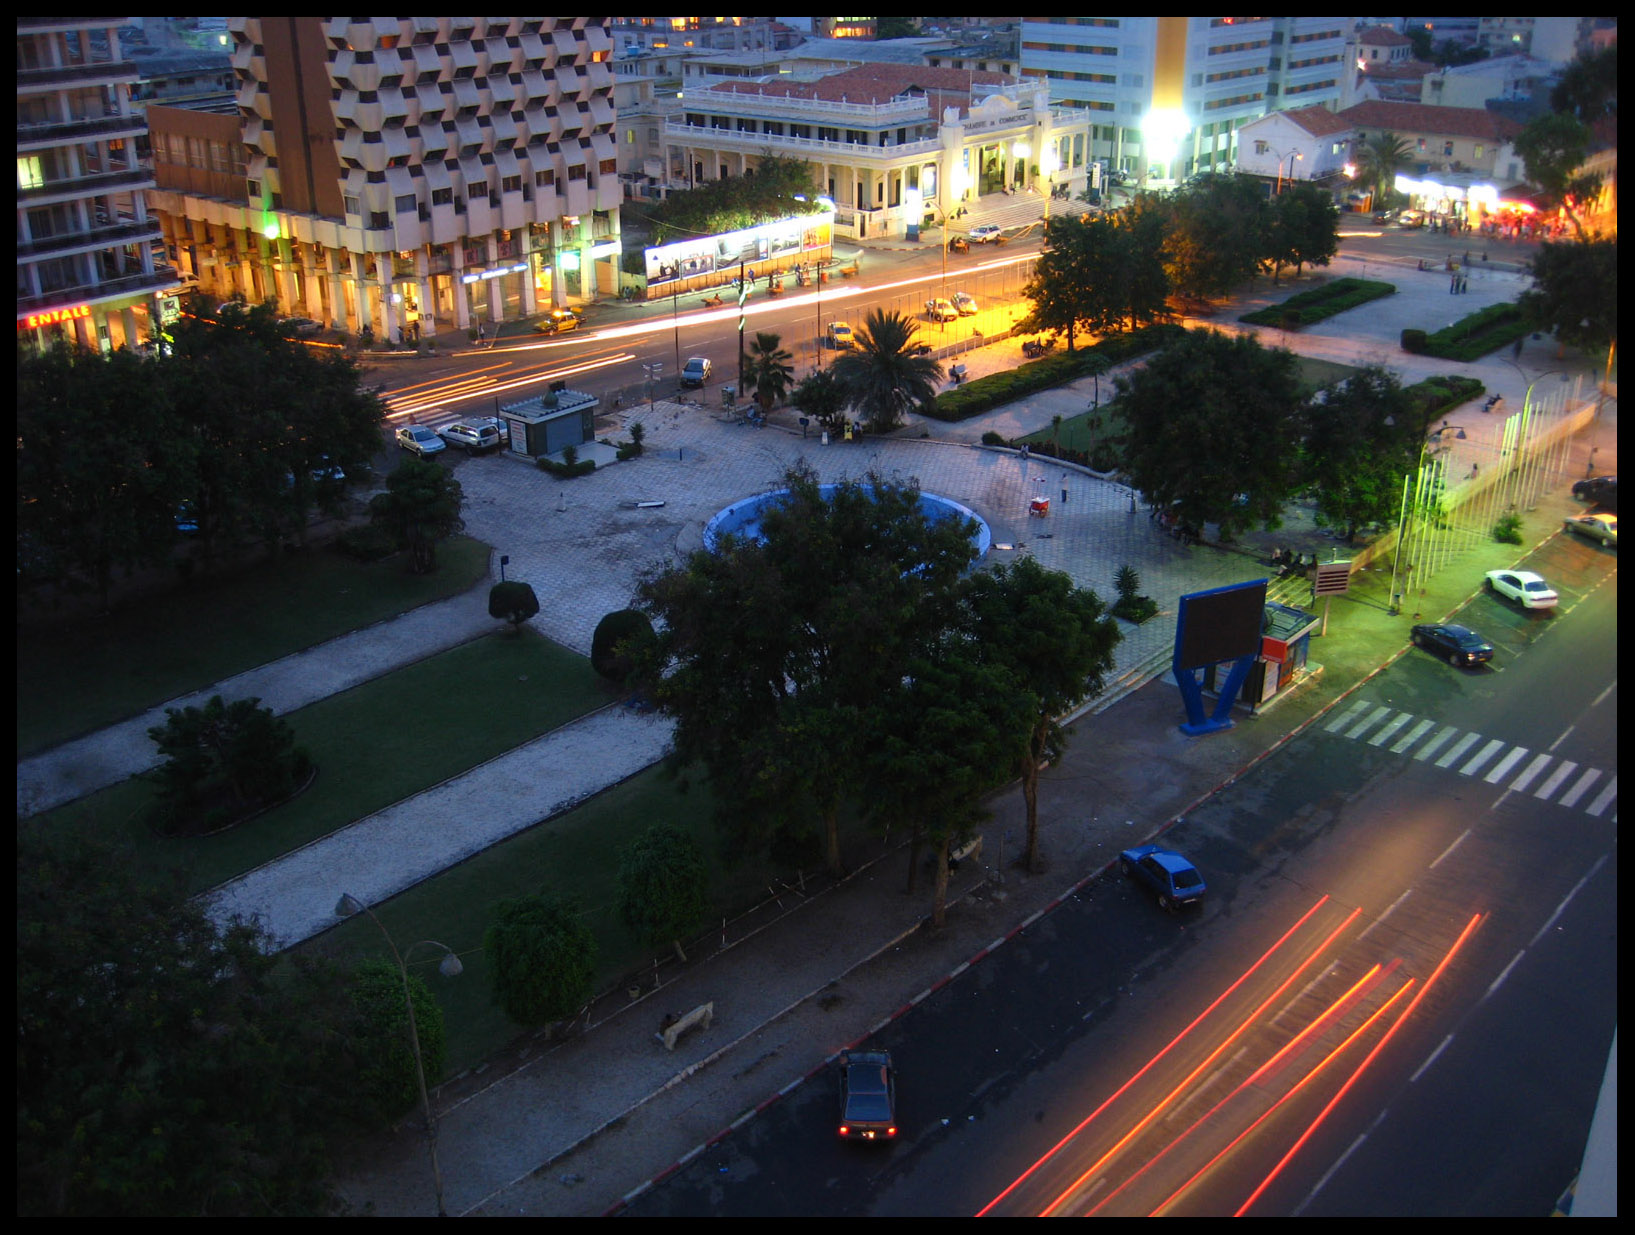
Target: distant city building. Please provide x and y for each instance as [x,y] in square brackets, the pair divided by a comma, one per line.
[1168,94]
[86,241]
[401,176]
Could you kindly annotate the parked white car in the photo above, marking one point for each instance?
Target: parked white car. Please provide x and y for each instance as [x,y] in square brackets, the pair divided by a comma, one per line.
[965,303]
[939,310]
[1527,589]
[417,439]
[985,233]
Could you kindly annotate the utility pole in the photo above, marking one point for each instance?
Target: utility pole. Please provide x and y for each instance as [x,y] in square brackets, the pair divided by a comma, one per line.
[743,295]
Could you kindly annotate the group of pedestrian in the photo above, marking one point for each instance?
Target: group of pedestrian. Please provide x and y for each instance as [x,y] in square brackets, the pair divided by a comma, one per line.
[1458,284]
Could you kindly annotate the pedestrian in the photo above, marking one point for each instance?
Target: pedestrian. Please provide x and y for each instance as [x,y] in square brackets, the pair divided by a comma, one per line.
[1064,488]
[1464,283]
[1026,455]
[1515,350]
[1453,284]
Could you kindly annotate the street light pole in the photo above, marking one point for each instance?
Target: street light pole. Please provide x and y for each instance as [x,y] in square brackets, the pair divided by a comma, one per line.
[449,967]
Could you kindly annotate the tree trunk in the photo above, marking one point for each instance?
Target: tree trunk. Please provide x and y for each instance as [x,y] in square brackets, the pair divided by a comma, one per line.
[831,843]
[1030,795]
[916,838]
[939,892]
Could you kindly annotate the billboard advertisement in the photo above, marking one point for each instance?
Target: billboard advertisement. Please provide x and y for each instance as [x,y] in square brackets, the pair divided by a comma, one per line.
[794,238]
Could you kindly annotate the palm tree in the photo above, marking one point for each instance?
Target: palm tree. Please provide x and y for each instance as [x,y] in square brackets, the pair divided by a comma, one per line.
[770,370]
[880,376]
[1379,159]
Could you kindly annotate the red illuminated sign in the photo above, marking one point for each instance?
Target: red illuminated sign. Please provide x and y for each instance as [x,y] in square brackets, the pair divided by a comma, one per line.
[53,316]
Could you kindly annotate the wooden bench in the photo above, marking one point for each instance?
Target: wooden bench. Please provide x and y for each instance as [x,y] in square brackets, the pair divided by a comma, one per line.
[674,1026]
[847,272]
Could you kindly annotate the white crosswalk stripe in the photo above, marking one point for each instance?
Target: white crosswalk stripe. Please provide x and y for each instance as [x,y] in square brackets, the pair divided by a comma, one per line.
[1493,747]
[1570,798]
[1603,799]
[1378,724]
[1442,735]
[1412,736]
[1560,774]
[1458,749]
[1502,768]
[1385,734]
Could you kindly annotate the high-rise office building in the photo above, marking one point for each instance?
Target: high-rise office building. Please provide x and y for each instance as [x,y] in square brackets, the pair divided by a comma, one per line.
[1168,94]
[404,175]
[87,267]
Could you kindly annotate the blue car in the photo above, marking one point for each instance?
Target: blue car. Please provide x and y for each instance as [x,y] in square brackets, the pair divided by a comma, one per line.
[1175,880]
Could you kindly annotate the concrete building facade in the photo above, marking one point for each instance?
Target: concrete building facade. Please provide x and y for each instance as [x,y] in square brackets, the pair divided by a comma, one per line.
[1168,94]
[86,241]
[401,176]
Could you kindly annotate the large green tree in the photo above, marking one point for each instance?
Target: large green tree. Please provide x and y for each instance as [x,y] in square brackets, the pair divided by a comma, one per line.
[952,728]
[103,462]
[1554,147]
[1361,437]
[1575,292]
[1212,430]
[1588,87]
[420,507]
[1098,274]
[1303,229]
[388,1084]
[881,376]
[1055,641]
[166,1066]
[1217,235]
[771,651]
[777,187]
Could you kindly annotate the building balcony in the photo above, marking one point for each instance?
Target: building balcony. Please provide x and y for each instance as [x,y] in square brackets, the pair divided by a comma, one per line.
[810,111]
[63,132]
[699,137]
[73,188]
[96,238]
[161,279]
[106,72]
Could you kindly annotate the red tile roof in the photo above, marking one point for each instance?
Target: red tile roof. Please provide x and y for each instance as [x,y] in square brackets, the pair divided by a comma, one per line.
[1318,121]
[1383,36]
[1426,118]
[877,83]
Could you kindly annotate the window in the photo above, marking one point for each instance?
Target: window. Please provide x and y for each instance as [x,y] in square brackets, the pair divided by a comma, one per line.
[379,220]
[406,203]
[442,197]
[350,204]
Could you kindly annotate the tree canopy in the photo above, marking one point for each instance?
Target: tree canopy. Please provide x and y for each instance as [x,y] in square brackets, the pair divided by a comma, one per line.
[166,1066]
[1379,159]
[1554,147]
[420,507]
[1361,438]
[543,958]
[1575,292]
[1212,430]
[777,187]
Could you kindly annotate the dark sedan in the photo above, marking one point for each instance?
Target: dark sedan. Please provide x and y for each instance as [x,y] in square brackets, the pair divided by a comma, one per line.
[1458,645]
[868,1095]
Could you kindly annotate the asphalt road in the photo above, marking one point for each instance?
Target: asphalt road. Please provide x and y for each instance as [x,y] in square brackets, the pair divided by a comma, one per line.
[1398,998]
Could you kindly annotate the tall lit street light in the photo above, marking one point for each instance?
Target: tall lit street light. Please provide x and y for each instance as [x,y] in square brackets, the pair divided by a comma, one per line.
[1291,157]
[449,967]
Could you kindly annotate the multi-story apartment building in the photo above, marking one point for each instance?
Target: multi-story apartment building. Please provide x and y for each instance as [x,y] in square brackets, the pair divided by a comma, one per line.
[401,175]
[1168,93]
[885,141]
[86,267]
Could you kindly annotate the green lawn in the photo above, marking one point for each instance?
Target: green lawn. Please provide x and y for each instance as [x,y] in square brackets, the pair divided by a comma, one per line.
[575,853]
[76,678]
[374,745]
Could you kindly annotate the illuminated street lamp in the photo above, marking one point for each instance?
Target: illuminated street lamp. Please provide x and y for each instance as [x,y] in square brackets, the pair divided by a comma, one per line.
[449,967]
[1292,156]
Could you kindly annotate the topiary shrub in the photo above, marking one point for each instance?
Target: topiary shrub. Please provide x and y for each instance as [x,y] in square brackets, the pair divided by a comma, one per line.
[513,601]
[991,438]
[542,957]
[1507,531]
[223,763]
[617,636]
[388,1086]
[369,543]
[1413,341]
[663,884]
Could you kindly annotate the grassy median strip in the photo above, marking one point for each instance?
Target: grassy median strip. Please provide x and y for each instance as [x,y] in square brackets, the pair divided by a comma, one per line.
[76,678]
[374,745]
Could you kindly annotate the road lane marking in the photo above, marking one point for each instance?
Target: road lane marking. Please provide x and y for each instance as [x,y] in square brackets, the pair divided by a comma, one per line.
[1570,798]
[1482,756]
[1429,749]
[1345,718]
[1412,736]
[1458,749]
[1368,721]
[1607,795]
[1385,734]
[1502,768]
[1540,762]
[1567,768]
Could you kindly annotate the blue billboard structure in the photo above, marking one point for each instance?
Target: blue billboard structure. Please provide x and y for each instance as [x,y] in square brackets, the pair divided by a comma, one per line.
[1221,624]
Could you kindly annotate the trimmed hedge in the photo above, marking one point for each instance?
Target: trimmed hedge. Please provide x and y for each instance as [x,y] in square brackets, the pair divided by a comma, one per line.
[1471,338]
[983,394]
[1435,395]
[1320,302]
